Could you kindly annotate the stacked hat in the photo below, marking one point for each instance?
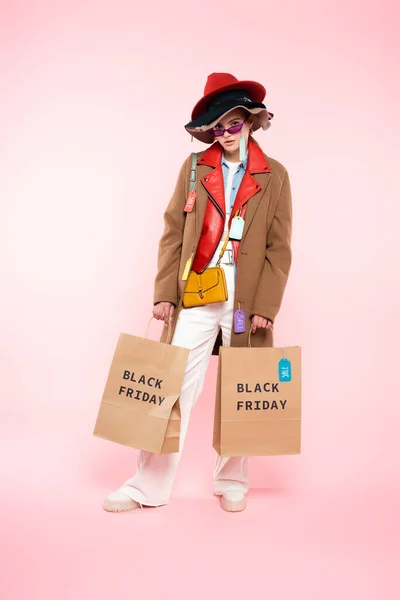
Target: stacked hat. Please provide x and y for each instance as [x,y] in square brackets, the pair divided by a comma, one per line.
[222,93]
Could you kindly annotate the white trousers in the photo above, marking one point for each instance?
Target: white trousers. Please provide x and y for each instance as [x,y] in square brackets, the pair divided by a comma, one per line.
[196,329]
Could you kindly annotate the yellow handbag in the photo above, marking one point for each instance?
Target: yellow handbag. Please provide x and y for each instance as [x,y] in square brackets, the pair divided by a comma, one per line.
[207,287]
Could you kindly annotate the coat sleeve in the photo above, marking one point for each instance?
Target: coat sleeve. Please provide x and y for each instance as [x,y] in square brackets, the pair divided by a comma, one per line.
[170,245]
[278,257]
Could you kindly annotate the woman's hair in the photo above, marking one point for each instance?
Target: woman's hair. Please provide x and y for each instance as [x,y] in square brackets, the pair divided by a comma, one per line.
[246,115]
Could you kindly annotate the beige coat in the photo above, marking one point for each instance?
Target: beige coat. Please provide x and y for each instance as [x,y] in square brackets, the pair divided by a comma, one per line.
[264,258]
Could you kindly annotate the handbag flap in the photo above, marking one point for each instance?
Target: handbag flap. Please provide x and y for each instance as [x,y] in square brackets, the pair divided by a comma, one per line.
[205,281]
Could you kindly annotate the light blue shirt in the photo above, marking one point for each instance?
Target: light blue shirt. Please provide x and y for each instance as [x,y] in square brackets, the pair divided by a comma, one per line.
[237,180]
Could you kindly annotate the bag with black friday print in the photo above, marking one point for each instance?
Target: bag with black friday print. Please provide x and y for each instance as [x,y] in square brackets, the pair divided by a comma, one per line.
[140,404]
[258,401]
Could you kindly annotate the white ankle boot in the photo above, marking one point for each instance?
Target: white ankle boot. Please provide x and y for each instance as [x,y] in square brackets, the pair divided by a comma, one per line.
[233,501]
[119,502]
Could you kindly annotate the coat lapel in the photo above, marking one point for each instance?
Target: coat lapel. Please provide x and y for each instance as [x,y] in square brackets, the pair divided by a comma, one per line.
[207,165]
[254,183]
[200,212]
[263,180]
[214,184]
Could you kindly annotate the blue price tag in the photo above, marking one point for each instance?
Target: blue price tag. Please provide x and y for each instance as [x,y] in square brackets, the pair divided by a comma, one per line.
[285,370]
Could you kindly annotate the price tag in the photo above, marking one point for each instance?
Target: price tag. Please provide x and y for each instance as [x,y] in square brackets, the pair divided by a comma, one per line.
[190,201]
[285,370]
[236,230]
[239,321]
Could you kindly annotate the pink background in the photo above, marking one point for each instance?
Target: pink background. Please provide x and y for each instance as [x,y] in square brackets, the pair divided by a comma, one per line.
[94,96]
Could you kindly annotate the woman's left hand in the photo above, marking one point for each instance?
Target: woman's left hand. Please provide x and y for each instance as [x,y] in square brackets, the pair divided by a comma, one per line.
[258,321]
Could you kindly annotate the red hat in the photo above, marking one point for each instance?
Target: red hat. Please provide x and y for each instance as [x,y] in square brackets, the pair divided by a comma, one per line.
[222,82]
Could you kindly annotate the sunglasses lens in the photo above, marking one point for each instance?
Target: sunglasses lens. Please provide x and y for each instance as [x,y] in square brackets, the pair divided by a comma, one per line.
[235,128]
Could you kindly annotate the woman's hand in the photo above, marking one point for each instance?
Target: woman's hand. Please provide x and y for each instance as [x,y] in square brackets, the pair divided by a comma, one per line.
[258,321]
[163,311]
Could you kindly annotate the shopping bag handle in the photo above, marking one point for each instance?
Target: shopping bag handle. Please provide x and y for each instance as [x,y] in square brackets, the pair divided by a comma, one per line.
[250,332]
[168,341]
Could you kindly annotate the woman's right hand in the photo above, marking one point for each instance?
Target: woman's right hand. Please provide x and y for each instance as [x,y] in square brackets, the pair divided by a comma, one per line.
[163,311]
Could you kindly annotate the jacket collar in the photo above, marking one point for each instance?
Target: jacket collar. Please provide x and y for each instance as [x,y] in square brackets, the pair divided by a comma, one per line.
[257,162]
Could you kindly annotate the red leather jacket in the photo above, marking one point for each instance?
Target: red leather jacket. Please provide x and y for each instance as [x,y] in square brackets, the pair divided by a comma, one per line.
[213,182]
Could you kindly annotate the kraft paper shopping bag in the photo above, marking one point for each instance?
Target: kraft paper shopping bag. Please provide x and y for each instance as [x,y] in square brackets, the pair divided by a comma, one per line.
[258,401]
[140,404]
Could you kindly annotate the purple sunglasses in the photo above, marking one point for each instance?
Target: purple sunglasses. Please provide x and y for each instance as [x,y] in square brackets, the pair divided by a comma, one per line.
[232,129]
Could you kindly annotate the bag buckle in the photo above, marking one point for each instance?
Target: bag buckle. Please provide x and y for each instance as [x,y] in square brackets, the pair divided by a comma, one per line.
[229,260]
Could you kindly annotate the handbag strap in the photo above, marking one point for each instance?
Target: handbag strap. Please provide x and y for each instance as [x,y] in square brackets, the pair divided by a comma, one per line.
[225,243]
[223,248]
[193,172]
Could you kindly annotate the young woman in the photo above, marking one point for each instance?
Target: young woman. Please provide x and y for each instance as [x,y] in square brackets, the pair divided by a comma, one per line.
[233,178]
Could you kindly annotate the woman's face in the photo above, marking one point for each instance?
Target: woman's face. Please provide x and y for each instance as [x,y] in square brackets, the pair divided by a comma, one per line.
[230,141]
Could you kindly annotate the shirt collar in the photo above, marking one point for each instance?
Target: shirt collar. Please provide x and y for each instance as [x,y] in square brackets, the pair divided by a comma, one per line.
[242,164]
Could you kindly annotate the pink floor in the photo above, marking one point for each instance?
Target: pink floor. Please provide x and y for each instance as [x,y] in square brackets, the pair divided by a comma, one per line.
[57,542]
